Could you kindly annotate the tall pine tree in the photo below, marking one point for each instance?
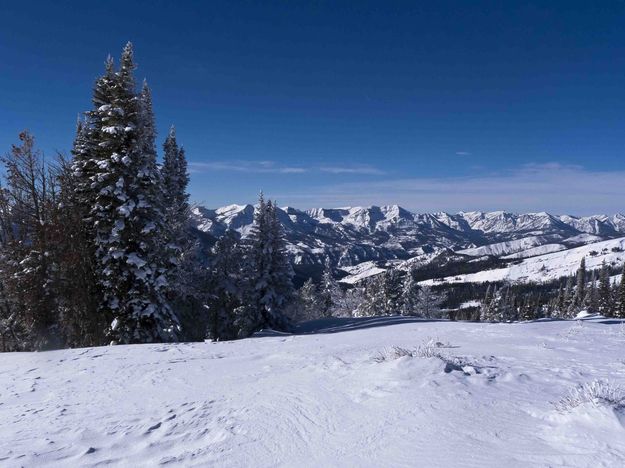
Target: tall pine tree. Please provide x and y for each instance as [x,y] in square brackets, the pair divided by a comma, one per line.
[119,184]
[269,273]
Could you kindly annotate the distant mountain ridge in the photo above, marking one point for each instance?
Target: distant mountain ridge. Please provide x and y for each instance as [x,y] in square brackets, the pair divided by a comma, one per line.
[352,235]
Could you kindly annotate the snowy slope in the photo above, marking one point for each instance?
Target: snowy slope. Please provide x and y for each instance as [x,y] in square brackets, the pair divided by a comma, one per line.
[540,250]
[550,266]
[321,400]
[505,248]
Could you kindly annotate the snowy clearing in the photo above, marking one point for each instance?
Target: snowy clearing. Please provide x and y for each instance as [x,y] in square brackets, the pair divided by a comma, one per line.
[444,394]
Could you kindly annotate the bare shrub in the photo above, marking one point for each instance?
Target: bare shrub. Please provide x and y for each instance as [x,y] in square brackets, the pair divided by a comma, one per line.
[597,393]
[392,353]
[430,348]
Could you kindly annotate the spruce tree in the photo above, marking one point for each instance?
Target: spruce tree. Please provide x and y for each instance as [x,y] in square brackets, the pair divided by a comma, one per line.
[118,183]
[621,296]
[605,302]
[176,198]
[330,295]
[591,300]
[225,287]
[270,274]
[309,302]
[392,292]
[560,303]
[580,286]
[410,295]
[569,294]
[430,302]
[374,298]
[485,314]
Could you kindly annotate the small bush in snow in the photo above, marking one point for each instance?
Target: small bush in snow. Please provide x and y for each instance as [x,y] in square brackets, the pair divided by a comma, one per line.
[428,349]
[597,393]
[392,353]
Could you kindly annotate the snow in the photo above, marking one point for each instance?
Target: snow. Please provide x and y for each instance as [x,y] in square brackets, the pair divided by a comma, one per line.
[548,267]
[361,271]
[540,250]
[504,248]
[323,399]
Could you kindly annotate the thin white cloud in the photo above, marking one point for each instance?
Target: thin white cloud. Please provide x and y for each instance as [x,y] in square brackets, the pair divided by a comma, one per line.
[463,153]
[273,167]
[360,169]
[245,166]
[549,187]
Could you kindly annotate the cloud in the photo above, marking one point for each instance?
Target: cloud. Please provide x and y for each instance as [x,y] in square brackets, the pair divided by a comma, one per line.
[463,153]
[273,167]
[552,187]
[245,166]
[361,169]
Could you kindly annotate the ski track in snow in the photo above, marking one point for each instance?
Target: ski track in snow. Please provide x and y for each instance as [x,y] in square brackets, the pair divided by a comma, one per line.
[320,400]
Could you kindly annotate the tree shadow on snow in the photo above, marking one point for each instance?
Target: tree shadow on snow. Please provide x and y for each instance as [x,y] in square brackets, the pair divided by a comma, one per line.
[338,325]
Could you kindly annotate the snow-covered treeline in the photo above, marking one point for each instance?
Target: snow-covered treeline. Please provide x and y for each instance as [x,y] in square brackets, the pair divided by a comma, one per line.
[97,248]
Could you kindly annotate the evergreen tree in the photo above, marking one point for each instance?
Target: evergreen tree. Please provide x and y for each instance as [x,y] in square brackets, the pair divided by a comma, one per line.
[309,302]
[176,198]
[374,298]
[504,306]
[79,295]
[410,296]
[485,311]
[560,304]
[591,299]
[392,284]
[331,296]
[270,273]
[605,301]
[175,178]
[527,309]
[621,296]
[430,302]
[225,286]
[580,287]
[118,183]
[569,295]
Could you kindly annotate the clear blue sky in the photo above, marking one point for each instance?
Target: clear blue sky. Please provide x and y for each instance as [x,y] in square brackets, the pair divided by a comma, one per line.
[438,105]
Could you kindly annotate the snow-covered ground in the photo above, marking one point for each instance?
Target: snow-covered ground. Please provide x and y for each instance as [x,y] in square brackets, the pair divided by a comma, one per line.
[342,397]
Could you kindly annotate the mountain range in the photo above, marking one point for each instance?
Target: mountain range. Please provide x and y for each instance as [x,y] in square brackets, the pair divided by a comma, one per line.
[350,237]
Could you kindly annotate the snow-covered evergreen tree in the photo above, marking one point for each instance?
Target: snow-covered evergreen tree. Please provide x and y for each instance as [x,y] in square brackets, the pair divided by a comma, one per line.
[410,296]
[309,303]
[580,288]
[225,287]
[118,180]
[569,294]
[430,301]
[393,288]
[605,301]
[269,272]
[485,307]
[374,298]
[558,309]
[620,302]
[176,199]
[331,295]
[591,299]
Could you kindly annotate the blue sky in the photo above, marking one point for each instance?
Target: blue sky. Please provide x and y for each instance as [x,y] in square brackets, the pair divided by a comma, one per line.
[446,105]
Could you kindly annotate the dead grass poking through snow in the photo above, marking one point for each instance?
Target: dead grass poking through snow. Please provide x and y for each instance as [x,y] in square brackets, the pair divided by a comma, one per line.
[597,393]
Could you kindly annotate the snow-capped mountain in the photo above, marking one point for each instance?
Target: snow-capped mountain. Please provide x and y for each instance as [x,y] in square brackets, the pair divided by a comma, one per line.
[352,235]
